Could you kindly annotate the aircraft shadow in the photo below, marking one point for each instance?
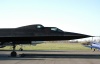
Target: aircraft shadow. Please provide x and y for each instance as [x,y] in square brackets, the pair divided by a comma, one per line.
[7,57]
[89,56]
[44,56]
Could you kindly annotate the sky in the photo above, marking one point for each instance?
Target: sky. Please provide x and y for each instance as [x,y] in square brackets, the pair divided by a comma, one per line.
[80,16]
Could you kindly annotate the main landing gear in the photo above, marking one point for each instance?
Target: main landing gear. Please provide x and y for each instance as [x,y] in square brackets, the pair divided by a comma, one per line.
[13,53]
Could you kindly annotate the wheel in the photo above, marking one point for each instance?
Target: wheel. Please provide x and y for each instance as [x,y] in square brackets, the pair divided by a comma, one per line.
[21,49]
[13,54]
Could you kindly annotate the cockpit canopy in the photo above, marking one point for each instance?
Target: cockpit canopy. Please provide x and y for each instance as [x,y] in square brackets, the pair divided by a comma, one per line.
[39,26]
[31,26]
[56,29]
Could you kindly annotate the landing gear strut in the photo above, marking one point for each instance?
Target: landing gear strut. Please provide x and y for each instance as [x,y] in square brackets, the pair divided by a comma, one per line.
[13,53]
[21,49]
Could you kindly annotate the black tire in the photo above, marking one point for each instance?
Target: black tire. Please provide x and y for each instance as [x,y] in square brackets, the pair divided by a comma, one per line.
[13,54]
[21,49]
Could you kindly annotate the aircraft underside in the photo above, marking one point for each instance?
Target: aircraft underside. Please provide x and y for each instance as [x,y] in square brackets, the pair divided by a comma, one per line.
[39,38]
[27,40]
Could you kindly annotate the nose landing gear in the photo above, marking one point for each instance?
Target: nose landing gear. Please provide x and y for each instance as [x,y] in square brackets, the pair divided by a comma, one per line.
[13,53]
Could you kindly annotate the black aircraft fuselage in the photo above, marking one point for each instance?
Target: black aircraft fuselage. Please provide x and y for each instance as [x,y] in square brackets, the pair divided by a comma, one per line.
[27,34]
[37,33]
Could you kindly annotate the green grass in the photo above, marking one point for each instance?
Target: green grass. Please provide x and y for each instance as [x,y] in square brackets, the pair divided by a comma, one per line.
[50,46]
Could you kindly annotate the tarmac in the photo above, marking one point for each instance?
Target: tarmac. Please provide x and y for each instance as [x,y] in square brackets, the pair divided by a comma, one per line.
[51,57]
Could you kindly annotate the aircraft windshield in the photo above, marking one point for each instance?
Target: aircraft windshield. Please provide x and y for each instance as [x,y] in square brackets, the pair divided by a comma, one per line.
[39,26]
[56,29]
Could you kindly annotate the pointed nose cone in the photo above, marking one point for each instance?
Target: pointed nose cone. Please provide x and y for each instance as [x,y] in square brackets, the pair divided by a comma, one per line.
[71,35]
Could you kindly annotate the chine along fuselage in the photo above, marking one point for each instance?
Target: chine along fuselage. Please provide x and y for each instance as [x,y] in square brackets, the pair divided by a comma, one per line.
[37,33]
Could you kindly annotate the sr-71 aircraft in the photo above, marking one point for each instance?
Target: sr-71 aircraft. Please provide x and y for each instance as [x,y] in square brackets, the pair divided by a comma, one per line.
[36,32]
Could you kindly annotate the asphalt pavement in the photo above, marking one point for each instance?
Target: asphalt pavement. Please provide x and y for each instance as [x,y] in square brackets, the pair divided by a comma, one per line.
[51,57]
